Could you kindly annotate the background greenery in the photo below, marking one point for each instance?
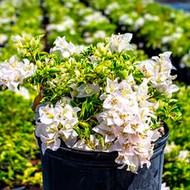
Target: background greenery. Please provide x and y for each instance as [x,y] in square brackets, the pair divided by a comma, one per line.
[82,22]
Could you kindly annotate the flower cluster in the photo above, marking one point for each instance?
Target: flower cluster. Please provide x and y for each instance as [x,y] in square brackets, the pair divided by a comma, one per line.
[13,72]
[66,49]
[56,122]
[158,71]
[126,119]
[102,98]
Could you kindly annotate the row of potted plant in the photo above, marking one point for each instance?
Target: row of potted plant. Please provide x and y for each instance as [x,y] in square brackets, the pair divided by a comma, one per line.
[16,18]
[80,98]
[86,16]
[36,24]
[20,158]
[177,153]
[156,27]
[81,24]
[141,18]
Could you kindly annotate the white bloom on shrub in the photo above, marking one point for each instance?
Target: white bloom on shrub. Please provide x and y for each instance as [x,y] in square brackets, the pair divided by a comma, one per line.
[3,39]
[178,33]
[81,145]
[49,135]
[120,43]
[5,20]
[158,71]
[65,48]
[171,38]
[135,155]
[125,19]
[93,145]
[126,121]
[24,92]
[55,123]
[112,7]
[164,187]
[139,23]
[95,17]
[85,90]
[48,114]
[151,17]
[100,34]
[183,154]
[169,147]
[185,60]
[67,24]
[13,72]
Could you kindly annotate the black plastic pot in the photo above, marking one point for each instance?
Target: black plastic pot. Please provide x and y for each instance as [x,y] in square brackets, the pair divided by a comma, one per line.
[69,169]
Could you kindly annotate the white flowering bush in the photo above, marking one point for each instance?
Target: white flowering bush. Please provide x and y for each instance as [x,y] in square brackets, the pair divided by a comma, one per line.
[105,97]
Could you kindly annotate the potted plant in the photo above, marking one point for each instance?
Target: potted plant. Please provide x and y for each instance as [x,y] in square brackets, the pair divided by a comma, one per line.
[101,111]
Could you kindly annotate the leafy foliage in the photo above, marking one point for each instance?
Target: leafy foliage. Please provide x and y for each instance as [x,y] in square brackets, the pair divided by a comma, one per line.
[19,158]
[176,169]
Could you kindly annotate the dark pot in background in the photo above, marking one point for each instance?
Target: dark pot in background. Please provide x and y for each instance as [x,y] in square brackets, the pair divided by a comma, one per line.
[69,169]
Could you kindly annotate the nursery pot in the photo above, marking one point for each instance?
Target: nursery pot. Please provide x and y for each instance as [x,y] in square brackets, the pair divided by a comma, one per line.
[70,169]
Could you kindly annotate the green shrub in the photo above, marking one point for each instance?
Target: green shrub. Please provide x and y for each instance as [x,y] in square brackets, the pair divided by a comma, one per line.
[19,158]
[176,168]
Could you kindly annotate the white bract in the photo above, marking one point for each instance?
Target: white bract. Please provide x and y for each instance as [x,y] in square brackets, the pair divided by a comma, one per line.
[3,39]
[67,24]
[158,71]
[65,48]
[95,17]
[120,43]
[13,72]
[55,123]
[110,99]
[126,122]
[112,7]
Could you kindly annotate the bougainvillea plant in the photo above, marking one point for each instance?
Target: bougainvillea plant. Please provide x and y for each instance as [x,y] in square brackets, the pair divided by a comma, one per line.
[104,97]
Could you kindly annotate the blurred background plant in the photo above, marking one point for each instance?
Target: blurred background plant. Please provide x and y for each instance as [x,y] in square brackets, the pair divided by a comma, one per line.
[20,157]
[155,27]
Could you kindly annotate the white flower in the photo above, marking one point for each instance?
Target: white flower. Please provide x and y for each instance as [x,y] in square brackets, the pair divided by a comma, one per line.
[27,68]
[68,135]
[163,187]
[65,48]
[23,92]
[111,86]
[48,135]
[111,7]
[151,17]
[158,71]
[139,23]
[170,147]
[126,121]
[66,25]
[3,39]
[13,72]
[100,34]
[85,90]
[95,17]
[125,19]
[48,114]
[114,102]
[183,154]
[120,43]
[8,78]
[81,145]
[55,123]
